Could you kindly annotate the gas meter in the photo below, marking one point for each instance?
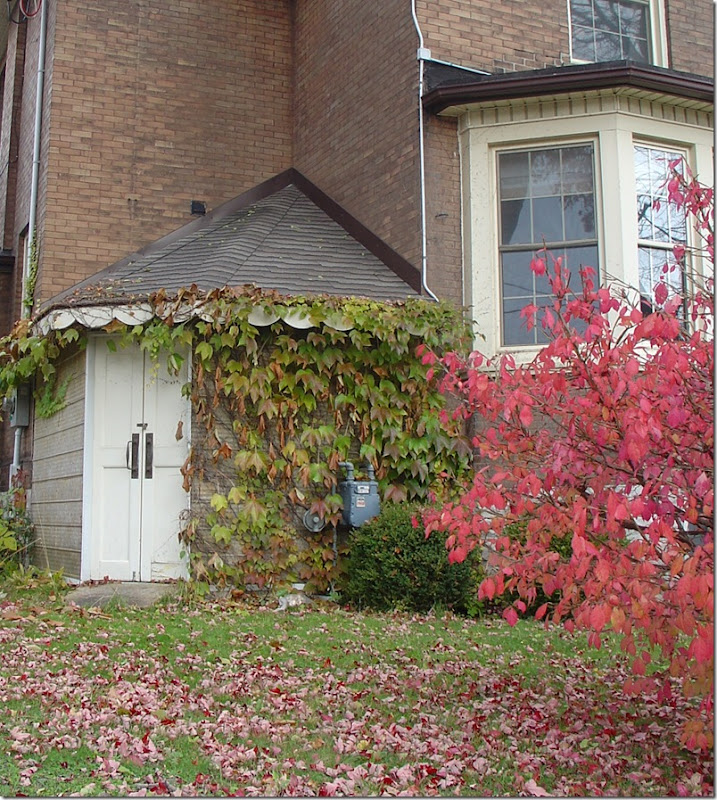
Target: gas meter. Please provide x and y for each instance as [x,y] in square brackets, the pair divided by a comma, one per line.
[361,501]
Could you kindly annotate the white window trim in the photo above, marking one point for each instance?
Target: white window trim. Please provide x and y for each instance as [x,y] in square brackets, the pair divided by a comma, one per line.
[658,34]
[614,125]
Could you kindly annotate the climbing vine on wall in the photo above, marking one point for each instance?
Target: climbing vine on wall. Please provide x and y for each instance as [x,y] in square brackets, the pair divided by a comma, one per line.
[277,407]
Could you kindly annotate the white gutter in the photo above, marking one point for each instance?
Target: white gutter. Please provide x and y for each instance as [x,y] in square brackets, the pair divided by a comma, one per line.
[25,309]
[422,54]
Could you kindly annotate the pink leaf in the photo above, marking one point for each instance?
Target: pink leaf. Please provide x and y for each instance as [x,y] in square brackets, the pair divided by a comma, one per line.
[510,616]
[534,790]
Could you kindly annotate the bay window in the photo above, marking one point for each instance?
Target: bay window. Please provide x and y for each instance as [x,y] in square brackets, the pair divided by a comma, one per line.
[585,177]
[547,198]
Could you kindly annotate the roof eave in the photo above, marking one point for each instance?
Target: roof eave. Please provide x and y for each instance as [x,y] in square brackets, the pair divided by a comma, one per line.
[565,80]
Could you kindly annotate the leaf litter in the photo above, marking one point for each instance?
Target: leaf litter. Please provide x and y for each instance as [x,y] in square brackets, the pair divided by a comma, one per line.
[225,701]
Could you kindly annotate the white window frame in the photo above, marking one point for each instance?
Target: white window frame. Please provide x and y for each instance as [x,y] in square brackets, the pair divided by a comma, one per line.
[658,33]
[614,129]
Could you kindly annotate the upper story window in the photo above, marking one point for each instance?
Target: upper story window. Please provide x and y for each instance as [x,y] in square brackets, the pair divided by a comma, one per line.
[611,30]
[660,224]
[547,197]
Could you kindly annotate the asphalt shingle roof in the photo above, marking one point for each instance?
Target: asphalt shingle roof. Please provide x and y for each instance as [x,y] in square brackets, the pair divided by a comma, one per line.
[284,241]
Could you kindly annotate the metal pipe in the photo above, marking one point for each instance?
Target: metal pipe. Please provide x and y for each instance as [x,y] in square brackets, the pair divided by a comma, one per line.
[457,66]
[37,139]
[15,466]
[421,154]
[26,307]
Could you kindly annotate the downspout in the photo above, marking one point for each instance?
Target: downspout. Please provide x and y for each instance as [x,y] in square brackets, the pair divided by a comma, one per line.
[35,179]
[422,54]
[30,247]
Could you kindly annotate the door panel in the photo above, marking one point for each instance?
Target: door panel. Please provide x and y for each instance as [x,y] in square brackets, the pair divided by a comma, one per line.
[167,418]
[115,501]
[135,521]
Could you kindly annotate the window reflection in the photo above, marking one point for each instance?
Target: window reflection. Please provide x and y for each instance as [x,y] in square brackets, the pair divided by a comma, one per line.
[608,30]
[547,197]
[660,224]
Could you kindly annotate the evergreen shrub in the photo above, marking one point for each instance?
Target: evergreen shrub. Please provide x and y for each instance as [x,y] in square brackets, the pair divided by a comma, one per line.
[391,565]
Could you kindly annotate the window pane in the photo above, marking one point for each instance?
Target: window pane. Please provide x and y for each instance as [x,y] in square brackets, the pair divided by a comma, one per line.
[636,50]
[515,221]
[514,329]
[633,20]
[660,223]
[547,220]
[581,12]
[642,170]
[644,217]
[607,46]
[517,276]
[657,265]
[576,257]
[545,173]
[579,212]
[583,43]
[577,169]
[514,173]
[607,15]
[678,224]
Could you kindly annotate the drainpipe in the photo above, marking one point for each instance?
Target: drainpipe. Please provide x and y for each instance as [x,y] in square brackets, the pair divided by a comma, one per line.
[422,54]
[35,179]
[32,221]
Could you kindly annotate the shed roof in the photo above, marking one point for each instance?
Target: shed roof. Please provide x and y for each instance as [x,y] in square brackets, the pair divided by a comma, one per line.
[284,234]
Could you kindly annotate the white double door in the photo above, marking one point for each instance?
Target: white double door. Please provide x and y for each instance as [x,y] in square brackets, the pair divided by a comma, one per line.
[139,440]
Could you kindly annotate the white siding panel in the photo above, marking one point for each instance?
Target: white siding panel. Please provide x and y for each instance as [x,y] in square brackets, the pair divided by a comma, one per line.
[57,475]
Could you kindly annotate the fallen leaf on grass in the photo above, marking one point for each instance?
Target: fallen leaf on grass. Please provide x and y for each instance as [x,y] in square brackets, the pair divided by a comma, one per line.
[11,615]
[534,790]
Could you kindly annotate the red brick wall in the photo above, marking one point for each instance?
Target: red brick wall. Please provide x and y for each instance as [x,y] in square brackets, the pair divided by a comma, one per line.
[356,112]
[691,35]
[5,310]
[496,35]
[443,209]
[154,105]
[504,36]
[10,129]
[510,35]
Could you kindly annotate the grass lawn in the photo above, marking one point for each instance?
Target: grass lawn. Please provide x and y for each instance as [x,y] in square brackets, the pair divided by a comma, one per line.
[233,699]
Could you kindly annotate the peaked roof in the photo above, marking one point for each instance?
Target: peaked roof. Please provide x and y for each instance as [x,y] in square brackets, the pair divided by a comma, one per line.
[284,234]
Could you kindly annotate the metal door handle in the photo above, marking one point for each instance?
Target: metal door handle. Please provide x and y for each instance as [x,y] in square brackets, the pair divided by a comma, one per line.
[148,454]
[132,456]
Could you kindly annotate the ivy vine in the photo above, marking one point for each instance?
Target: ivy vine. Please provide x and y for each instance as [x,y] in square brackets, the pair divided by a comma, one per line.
[275,409]
[28,300]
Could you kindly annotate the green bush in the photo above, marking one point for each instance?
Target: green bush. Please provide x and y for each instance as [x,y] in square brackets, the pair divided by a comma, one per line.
[391,565]
[16,530]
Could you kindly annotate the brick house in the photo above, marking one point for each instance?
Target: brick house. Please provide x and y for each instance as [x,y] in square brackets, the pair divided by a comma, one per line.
[448,138]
